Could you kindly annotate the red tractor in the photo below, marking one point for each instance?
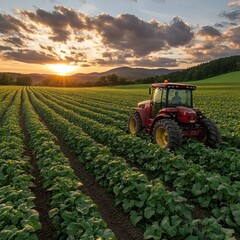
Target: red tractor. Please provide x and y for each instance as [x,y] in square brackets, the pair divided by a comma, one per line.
[169,116]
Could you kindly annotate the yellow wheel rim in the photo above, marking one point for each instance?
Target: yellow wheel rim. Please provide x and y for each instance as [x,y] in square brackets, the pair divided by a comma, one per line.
[162,137]
[132,126]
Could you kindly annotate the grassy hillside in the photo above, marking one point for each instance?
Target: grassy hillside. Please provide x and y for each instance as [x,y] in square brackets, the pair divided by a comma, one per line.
[224,80]
[228,79]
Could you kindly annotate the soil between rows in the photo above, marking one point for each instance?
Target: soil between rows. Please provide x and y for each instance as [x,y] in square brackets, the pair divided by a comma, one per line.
[198,212]
[115,218]
[43,197]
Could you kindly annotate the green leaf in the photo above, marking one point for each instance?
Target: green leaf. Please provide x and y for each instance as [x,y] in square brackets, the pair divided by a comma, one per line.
[68,216]
[149,212]
[73,228]
[204,202]
[34,222]
[135,218]
[166,223]
[108,234]
[235,208]
[53,212]
[33,237]
[83,209]
[176,220]
[192,238]
[153,232]
[197,189]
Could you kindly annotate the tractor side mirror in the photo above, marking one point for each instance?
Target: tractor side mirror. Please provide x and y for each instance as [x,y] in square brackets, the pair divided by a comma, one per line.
[149,90]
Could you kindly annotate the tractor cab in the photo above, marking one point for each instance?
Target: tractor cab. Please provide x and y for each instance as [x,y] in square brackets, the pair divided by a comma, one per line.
[169,115]
[170,95]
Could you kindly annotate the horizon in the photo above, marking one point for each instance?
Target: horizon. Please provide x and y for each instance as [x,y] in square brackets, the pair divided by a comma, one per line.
[83,36]
[97,72]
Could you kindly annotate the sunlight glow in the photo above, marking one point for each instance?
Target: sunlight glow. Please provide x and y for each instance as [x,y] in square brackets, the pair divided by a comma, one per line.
[62,69]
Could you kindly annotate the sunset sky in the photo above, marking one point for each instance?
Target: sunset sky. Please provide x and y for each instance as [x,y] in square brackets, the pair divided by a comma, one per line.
[54,36]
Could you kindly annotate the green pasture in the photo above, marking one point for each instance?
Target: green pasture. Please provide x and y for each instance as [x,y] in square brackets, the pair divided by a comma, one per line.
[226,80]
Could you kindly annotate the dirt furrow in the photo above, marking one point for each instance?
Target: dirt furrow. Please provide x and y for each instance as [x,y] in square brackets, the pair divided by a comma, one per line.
[43,197]
[115,218]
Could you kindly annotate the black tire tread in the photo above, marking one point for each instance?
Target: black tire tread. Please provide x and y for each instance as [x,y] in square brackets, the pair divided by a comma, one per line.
[213,133]
[138,120]
[174,132]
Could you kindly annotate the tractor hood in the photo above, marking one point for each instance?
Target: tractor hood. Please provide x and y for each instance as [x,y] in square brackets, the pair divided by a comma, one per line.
[186,115]
[144,103]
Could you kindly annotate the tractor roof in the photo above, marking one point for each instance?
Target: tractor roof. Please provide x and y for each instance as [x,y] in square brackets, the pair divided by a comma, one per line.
[173,85]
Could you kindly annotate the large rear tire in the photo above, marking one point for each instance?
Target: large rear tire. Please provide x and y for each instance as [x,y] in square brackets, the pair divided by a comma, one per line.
[167,134]
[134,123]
[212,135]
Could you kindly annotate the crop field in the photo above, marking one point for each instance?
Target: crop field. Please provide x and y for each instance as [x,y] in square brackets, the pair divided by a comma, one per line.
[69,170]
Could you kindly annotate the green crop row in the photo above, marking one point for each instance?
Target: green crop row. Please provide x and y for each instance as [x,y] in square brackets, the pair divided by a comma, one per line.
[222,106]
[224,161]
[3,95]
[101,117]
[94,107]
[213,102]
[190,180]
[6,102]
[160,212]
[18,219]
[99,99]
[74,214]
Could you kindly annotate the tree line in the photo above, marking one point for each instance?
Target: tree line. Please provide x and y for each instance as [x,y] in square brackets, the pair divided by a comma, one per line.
[15,79]
[199,72]
[204,70]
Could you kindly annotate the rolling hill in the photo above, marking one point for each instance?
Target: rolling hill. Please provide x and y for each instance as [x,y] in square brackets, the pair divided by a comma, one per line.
[126,72]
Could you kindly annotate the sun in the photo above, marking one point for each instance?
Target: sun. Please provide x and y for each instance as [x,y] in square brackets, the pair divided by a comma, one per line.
[62,69]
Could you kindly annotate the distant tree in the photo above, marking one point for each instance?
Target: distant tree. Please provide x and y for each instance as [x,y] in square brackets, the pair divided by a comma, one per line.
[23,80]
[113,79]
[5,79]
[123,81]
[102,81]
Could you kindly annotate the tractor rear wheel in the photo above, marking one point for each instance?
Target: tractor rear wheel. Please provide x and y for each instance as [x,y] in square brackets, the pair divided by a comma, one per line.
[134,123]
[167,134]
[212,135]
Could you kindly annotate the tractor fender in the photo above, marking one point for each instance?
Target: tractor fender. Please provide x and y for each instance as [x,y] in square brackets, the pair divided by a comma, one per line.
[143,115]
[159,117]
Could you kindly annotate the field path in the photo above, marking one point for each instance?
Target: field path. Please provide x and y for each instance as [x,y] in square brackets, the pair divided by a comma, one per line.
[119,222]
[43,197]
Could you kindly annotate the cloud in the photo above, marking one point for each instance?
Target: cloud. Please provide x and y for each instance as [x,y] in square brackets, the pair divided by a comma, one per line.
[14,41]
[217,52]
[10,25]
[232,16]
[129,32]
[233,35]
[209,31]
[234,4]
[65,35]
[156,62]
[157,1]
[59,21]
[48,48]
[4,48]
[202,50]
[178,33]
[30,56]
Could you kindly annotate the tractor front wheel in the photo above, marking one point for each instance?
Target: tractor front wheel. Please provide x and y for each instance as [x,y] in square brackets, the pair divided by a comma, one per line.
[167,134]
[134,123]
[212,135]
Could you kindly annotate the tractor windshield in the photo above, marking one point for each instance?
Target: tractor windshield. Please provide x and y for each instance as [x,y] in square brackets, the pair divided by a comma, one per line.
[179,97]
